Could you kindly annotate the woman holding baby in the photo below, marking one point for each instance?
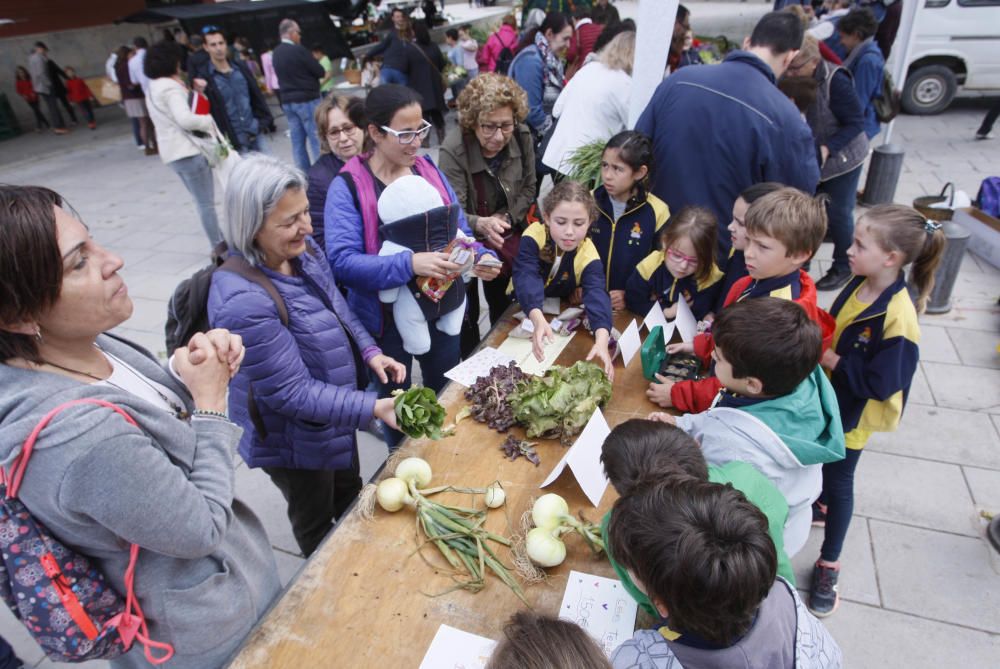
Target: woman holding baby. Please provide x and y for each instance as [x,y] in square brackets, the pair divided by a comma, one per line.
[420,275]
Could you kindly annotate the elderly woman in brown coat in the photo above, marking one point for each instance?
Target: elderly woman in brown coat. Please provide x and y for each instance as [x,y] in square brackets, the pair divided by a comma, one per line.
[489,160]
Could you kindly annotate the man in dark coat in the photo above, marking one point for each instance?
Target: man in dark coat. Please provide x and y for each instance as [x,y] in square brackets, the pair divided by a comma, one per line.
[298,77]
[238,106]
[718,130]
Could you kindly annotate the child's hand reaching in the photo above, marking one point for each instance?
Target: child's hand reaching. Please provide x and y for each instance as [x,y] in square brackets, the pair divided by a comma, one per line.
[600,350]
[659,393]
[670,313]
[661,417]
[617,300]
[542,334]
[680,347]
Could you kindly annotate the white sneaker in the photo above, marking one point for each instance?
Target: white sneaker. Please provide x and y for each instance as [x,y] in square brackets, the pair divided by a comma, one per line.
[984,135]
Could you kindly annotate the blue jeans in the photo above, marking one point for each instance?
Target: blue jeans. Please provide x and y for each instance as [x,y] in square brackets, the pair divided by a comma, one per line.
[197,177]
[302,125]
[838,495]
[258,144]
[843,192]
[444,355]
[392,76]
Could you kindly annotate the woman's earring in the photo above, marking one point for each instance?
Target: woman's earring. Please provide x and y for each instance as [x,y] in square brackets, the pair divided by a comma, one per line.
[38,333]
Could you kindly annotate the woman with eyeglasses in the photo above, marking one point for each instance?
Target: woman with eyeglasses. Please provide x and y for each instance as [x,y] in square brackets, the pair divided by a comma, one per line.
[395,128]
[339,122]
[490,161]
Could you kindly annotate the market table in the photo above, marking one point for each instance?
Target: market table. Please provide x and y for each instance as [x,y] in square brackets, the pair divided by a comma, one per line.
[365,598]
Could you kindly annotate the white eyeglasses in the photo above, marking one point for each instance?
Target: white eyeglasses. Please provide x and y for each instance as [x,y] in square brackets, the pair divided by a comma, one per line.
[407,136]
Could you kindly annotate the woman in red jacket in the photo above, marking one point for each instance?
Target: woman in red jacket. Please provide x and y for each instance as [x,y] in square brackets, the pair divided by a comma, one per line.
[81,95]
[27,91]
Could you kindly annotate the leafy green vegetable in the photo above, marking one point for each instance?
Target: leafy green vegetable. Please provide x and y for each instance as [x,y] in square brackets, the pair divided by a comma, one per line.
[585,163]
[560,403]
[419,413]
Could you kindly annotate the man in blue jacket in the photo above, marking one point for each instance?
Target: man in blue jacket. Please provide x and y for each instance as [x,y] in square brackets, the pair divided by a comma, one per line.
[718,130]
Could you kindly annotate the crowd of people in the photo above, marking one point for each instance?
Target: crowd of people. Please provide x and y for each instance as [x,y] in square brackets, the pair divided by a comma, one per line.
[367,257]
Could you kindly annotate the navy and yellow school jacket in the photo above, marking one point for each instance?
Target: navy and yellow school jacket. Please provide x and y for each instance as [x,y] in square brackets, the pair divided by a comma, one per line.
[878,356]
[579,267]
[736,269]
[651,280]
[622,244]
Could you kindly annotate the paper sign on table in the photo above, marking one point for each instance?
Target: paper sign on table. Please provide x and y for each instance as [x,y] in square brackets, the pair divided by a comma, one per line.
[601,607]
[655,317]
[629,343]
[686,323]
[455,649]
[584,459]
[520,351]
[478,365]
[552,305]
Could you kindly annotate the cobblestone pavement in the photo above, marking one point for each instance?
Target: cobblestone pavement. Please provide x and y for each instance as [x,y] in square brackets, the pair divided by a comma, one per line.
[918,586]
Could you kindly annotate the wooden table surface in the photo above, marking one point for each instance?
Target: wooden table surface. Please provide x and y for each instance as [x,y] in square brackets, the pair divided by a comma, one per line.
[363,599]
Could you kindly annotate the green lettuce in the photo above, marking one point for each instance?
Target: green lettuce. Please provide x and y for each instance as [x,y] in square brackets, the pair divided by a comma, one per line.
[560,403]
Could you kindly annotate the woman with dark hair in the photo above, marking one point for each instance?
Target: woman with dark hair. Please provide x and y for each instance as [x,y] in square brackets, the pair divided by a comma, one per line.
[27,91]
[354,234]
[132,96]
[205,570]
[864,60]
[490,160]
[396,51]
[340,122]
[426,68]
[538,68]
[175,123]
[838,125]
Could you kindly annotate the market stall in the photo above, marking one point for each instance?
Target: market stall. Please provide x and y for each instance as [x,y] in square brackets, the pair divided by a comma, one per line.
[365,598]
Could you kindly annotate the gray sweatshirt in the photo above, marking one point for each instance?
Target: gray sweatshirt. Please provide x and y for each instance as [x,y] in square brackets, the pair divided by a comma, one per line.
[206,572]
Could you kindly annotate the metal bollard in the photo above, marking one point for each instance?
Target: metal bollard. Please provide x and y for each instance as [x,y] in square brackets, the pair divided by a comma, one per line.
[951,260]
[883,175]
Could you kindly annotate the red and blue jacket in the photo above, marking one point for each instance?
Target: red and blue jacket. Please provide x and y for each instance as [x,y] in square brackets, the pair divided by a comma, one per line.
[736,269]
[878,352]
[622,244]
[652,281]
[534,278]
[697,396]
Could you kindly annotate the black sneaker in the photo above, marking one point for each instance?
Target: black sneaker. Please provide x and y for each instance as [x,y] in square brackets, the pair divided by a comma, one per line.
[819,514]
[834,279]
[823,597]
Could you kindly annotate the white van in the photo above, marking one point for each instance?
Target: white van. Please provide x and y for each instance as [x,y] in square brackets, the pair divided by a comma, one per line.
[957,44]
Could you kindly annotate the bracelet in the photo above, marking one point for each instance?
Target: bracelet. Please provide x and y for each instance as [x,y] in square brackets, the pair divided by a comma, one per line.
[205,413]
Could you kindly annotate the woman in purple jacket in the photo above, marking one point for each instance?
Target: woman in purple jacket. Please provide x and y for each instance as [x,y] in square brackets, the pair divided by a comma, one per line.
[299,395]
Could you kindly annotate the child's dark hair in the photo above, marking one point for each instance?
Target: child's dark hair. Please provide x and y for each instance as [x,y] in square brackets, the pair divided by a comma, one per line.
[640,451]
[770,339]
[701,550]
[452,33]
[634,148]
[755,192]
[533,641]
[897,227]
[569,191]
[384,101]
[794,218]
[699,225]
[22,73]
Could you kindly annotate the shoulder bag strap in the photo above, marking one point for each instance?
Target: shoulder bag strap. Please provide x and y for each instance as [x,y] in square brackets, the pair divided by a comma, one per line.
[239,265]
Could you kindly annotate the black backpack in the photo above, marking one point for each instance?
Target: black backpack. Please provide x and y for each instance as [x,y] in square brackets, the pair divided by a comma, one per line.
[504,58]
[187,311]
[889,101]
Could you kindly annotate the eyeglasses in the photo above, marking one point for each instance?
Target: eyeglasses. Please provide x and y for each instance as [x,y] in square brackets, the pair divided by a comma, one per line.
[407,136]
[680,258]
[334,133]
[491,128]
[210,29]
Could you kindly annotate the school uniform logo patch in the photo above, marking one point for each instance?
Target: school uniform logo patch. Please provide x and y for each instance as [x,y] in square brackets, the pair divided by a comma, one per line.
[865,336]
[635,237]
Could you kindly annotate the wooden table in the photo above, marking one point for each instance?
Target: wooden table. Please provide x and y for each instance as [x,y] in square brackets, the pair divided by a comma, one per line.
[359,601]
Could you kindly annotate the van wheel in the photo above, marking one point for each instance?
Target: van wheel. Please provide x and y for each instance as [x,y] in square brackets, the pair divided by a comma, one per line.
[929,90]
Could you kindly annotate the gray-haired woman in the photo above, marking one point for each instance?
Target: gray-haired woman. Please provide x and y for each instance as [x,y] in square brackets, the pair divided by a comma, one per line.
[299,395]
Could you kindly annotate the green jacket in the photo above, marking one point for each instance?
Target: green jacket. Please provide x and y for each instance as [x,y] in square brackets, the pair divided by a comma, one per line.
[758,490]
[510,190]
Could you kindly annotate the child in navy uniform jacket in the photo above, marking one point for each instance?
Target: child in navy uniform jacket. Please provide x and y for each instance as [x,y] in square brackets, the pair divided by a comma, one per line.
[628,216]
[736,264]
[872,361]
[557,258]
[683,268]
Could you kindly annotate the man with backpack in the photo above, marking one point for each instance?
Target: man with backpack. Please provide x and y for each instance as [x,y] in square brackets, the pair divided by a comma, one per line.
[499,50]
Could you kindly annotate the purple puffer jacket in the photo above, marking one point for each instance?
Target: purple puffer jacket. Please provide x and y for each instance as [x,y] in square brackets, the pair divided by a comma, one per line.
[305,376]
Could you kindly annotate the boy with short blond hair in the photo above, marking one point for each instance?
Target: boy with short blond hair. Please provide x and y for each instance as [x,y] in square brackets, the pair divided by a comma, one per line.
[784,229]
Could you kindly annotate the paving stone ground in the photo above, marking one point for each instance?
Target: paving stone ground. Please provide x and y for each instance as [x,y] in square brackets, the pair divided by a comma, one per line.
[919,588]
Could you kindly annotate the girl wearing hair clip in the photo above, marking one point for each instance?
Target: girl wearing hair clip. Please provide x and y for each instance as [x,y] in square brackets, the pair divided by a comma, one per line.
[871,361]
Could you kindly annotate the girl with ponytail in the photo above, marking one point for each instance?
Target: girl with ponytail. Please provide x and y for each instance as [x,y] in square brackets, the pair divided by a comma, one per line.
[872,360]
